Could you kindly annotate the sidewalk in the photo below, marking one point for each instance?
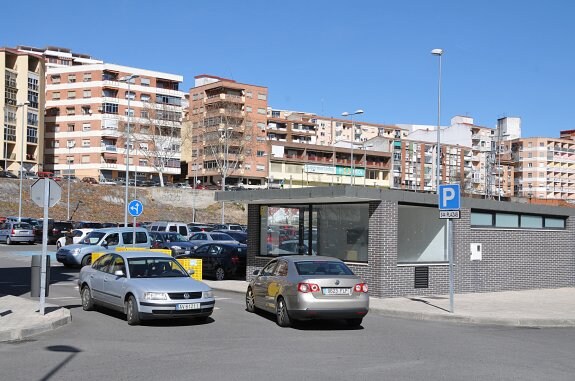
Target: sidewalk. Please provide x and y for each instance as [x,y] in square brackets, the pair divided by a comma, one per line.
[19,318]
[530,308]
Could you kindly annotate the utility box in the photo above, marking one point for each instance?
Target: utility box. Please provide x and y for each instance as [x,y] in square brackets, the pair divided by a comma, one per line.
[36,275]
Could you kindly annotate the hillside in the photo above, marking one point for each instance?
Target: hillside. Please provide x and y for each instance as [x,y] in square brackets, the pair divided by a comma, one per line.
[105,203]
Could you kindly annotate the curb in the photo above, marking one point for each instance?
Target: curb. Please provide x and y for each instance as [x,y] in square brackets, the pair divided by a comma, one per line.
[18,334]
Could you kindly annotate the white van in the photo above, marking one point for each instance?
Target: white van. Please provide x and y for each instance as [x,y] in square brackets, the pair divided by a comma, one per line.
[174,227]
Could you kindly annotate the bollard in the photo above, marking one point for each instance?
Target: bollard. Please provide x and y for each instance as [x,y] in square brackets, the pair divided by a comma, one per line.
[36,269]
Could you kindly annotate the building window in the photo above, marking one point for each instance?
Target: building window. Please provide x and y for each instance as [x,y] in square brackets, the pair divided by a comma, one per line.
[70,111]
[262,97]
[110,108]
[488,219]
[249,94]
[85,142]
[417,221]
[248,109]
[32,135]
[87,93]
[260,167]
[130,95]
[87,77]
[261,126]
[71,78]
[85,159]
[56,79]
[260,153]
[262,111]
[145,97]
[71,127]
[71,94]
[56,95]
[145,81]
[86,127]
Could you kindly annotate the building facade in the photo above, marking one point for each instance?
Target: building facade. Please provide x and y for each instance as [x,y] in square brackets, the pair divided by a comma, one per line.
[22,101]
[93,110]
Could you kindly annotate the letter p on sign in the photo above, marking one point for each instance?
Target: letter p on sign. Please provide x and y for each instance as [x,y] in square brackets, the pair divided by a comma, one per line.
[449,198]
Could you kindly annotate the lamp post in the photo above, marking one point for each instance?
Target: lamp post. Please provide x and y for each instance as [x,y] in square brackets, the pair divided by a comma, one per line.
[439,53]
[22,105]
[357,112]
[225,133]
[70,146]
[128,79]
[365,147]
[498,150]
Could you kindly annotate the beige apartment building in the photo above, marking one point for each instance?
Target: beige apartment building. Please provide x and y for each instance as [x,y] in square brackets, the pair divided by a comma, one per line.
[22,110]
[93,110]
[228,123]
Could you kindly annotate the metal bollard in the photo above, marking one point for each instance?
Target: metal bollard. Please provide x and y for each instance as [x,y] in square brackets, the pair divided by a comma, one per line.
[36,269]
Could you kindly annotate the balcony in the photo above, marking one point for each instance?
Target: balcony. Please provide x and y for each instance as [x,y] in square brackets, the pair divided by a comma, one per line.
[109,148]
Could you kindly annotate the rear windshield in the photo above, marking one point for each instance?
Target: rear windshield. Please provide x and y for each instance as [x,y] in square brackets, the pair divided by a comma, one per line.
[22,226]
[322,268]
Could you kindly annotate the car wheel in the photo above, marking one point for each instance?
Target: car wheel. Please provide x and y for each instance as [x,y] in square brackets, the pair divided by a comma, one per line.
[87,301]
[132,313]
[250,301]
[220,274]
[354,322]
[8,241]
[86,260]
[282,315]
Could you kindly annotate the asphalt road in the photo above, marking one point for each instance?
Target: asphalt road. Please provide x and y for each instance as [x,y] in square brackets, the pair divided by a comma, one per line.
[237,345]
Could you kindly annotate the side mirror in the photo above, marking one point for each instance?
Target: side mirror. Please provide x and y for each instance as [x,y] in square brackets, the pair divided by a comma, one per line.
[118,273]
[256,272]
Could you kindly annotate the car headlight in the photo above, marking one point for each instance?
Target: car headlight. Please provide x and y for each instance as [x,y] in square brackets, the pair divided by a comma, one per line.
[155,296]
[208,294]
[176,247]
[76,251]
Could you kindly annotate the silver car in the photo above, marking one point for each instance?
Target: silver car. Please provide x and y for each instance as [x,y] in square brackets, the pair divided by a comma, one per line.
[11,232]
[302,287]
[144,285]
[200,238]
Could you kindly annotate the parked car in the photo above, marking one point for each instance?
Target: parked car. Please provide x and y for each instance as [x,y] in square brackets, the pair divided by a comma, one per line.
[75,236]
[73,179]
[240,236]
[56,229]
[171,226]
[200,228]
[221,260]
[228,227]
[16,232]
[175,242]
[8,175]
[88,225]
[198,239]
[144,285]
[303,288]
[105,181]
[89,180]
[80,254]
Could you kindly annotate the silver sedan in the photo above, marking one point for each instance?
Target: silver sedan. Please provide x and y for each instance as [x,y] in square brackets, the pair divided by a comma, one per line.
[303,287]
[144,285]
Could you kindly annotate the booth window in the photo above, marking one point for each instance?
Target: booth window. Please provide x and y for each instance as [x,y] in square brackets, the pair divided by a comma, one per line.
[487,219]
[421,236]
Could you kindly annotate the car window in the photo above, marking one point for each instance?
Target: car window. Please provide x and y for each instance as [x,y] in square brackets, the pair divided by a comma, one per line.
[117,264]
[155,228]
[77,233]
[113,239]
[222,237]
[22,225]
[322,268]
[161,228]
[196,236]
[156,267]
[203,249]
[141,237]
[281,269]
[173,228]
[103,263]
[183,230]
[93,238]
[269,269]
[215,249]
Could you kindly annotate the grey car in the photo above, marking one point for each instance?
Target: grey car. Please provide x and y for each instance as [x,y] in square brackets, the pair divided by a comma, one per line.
[11,232]
[302,287]
[144,285]
[200,238]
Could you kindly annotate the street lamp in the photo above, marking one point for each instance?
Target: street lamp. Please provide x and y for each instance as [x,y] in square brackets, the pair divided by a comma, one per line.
[439,53]
[365,147]
[22,105]
[70,146]
[225,134]
[357,112]
[128,79]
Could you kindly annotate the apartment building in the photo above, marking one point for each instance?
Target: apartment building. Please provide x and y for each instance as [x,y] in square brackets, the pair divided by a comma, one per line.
[23,88]
[331,130]
[228,122]
[93,110]
[55,56]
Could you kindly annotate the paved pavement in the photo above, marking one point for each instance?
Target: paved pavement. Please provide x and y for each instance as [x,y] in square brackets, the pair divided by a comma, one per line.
[19,317]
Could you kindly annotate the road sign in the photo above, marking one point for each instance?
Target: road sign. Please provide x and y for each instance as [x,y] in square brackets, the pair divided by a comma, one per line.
[135,208]
[444,214]
[449,197]
[37,192]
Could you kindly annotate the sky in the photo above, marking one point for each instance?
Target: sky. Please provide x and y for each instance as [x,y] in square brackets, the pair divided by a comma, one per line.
[501,57]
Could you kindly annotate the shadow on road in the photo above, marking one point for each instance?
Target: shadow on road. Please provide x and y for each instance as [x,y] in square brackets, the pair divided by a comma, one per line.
[312,325]
[16,280]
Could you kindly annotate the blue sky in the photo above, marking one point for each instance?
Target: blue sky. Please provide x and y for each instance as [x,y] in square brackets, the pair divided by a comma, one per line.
[502,58]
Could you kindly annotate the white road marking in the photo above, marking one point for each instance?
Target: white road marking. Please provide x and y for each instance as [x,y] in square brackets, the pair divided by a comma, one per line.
[218,298]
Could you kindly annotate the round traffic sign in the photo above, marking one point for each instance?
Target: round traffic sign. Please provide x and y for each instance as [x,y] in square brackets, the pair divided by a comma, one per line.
[135,208]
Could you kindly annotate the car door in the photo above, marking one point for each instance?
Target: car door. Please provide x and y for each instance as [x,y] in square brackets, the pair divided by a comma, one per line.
[114,285]
[96,280]
[213,258]
[261,283]
[113,240]
[202,253]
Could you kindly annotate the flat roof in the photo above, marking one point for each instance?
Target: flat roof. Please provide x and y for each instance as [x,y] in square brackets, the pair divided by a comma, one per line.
[350,194]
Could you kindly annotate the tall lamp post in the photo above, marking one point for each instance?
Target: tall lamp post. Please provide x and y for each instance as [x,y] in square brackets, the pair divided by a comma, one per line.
[357,112]
[365,147]
[225,134]
[23,106]
[128,79]
[438,53]
[70,146]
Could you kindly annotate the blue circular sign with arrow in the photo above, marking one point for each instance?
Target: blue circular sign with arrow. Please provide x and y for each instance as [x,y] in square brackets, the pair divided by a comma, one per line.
[135,208]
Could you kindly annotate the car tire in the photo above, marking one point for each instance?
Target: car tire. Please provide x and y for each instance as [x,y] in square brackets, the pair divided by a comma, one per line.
[220,273]
[8,241]
[356,322]
[132,313]
[86,260]
[87,300]
[282,314]
[250,301]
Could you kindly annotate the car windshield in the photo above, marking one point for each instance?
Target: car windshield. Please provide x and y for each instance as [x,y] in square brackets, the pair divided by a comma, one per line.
[22,226]
[322,268]
[93,238]
[156,267]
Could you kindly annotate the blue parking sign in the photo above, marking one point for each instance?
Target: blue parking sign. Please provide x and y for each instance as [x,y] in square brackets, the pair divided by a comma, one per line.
[135,208]
[449,197]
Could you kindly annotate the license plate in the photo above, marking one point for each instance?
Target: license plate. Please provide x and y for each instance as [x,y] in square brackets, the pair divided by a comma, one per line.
[336,291]
[190,306]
